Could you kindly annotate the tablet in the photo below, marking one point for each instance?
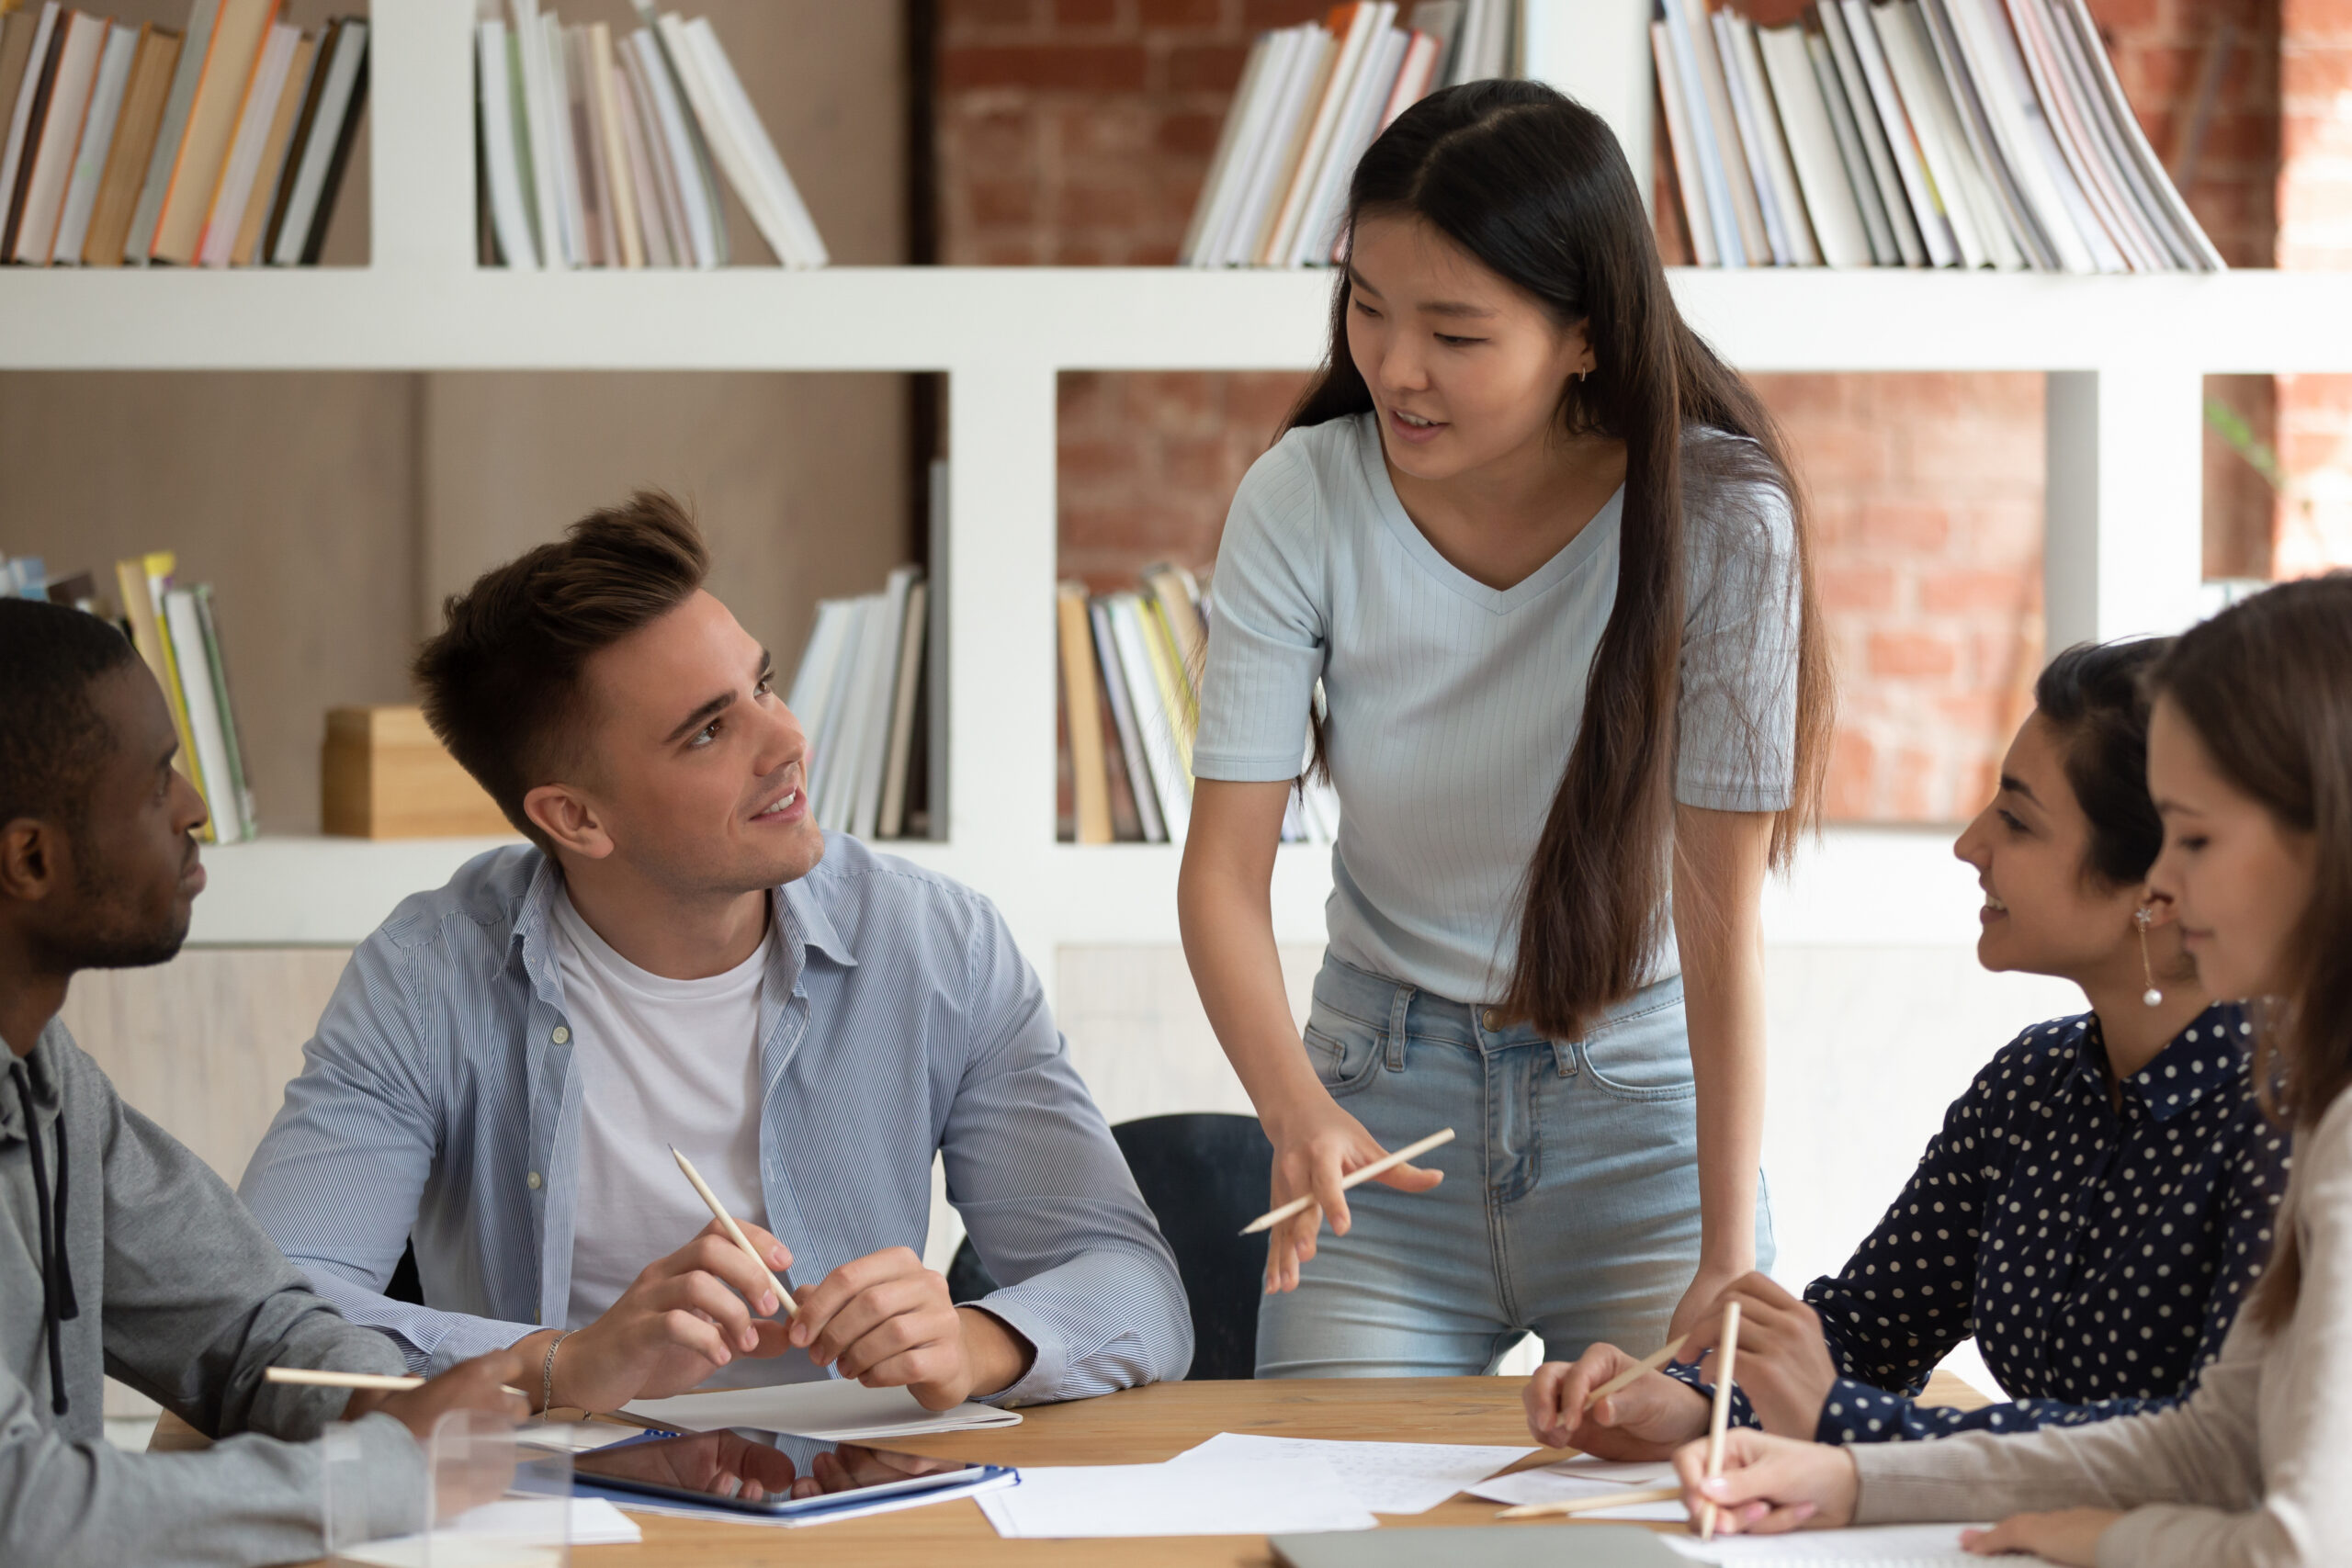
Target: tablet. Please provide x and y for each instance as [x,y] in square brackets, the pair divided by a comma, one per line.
[772,1475]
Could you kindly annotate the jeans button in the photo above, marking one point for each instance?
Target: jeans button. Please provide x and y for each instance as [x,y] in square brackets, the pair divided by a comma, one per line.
[1491,1018]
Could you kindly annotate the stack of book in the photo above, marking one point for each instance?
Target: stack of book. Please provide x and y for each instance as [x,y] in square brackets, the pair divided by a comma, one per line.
[600,151]
[177,635]
[1914,134]
[1311,99]
[1131,668]
[858,695]
[223,145]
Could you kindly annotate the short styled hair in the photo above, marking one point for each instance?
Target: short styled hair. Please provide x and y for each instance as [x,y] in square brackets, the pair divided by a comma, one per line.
[502,681]
[52,736]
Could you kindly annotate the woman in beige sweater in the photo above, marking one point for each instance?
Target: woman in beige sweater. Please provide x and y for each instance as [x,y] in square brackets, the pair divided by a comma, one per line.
[2250,761]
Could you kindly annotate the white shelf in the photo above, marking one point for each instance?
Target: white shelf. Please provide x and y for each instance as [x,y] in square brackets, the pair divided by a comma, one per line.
[979,320]
[1855,888]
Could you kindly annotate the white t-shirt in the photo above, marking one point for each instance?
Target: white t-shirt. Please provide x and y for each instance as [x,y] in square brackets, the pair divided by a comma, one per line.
[1453,707]
[661,1061]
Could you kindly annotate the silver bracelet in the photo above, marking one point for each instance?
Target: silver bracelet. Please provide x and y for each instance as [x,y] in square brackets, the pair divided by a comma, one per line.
[547,1370]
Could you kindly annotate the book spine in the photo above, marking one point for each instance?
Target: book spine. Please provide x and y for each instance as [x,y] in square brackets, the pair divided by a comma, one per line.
[97,143]
[155,581]
[232,739]
[626,230]
[1689,183]
[1123,722]
[184,639]
[1090,782]
[899,760]
[1877,149]
[1168,776]
[31,109]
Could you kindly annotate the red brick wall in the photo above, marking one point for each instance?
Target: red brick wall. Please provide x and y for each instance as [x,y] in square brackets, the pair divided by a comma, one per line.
[1926,493]
[1077,131]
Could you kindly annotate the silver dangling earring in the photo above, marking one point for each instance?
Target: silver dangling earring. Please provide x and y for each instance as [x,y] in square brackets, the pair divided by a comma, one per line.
[2143,918]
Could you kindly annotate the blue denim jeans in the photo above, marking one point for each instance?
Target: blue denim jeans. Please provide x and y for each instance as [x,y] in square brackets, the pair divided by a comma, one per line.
[1570,1204]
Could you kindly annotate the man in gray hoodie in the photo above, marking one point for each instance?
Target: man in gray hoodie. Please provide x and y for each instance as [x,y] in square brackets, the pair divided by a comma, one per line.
[119,1251]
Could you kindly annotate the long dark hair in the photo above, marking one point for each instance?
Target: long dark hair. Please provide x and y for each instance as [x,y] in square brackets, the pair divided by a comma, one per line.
[1533,185]
[2266,684]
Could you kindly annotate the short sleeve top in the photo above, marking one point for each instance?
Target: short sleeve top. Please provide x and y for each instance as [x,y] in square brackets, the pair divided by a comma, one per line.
[1452,707]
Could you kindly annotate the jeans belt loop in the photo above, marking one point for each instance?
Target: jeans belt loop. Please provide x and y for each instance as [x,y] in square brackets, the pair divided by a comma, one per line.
[1564,1056]
[1403,999]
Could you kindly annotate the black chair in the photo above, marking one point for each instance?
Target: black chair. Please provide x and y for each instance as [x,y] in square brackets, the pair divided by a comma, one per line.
[404,1285]
[1204,1176]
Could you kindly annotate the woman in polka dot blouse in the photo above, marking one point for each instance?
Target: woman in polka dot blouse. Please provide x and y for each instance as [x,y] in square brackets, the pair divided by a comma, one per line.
[2250,764]
[2097,1203]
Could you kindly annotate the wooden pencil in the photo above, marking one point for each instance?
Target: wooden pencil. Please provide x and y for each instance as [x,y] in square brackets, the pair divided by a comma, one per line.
[1273,1217]
[385,1383]
[1586,1505]
[309,1377]
[718,1212]
[1726,1357]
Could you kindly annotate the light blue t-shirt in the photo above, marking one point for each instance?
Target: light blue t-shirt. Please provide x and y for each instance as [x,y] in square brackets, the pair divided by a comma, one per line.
[1453,707]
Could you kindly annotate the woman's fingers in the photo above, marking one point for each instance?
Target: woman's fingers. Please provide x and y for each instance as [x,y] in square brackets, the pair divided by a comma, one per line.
[1411,1178]
[1545,1398]
[1782,1474]
[1323,1179]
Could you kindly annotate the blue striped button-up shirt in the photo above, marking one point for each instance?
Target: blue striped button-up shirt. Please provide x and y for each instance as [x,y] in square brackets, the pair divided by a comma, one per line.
[437,1103]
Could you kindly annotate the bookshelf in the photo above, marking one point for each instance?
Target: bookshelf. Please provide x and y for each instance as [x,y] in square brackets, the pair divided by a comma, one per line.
[2125,356]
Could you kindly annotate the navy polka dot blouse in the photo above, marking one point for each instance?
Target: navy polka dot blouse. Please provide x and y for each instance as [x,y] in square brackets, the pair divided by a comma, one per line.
[2096,1247]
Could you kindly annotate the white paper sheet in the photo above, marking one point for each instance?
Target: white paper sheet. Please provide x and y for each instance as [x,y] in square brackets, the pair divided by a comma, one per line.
[1268,1496]
[1584,1476]
[1387,1478]
[1878,1546]
[833,1409]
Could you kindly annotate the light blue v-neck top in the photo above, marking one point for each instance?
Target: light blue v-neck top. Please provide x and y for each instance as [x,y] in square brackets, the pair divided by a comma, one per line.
[1453,707]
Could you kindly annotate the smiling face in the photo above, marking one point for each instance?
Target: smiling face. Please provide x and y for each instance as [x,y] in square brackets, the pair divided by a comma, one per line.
[2043,914]
[2241,879]
[1465,370]
[692,770]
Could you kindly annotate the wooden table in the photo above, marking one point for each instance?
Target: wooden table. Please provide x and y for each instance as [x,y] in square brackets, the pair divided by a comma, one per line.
[1142,1425]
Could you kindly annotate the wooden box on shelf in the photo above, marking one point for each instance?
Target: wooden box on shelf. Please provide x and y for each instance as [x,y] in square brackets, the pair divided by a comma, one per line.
[384,774]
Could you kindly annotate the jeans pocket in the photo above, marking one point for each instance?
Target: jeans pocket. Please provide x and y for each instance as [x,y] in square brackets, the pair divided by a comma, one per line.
[1346,1052]
[1641,1056]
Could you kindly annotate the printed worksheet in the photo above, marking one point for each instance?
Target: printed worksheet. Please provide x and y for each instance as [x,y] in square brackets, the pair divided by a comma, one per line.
[1385,1478]
[1585,1476]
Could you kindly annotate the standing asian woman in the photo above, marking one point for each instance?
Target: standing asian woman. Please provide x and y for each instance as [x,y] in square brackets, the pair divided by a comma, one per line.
[1530,568]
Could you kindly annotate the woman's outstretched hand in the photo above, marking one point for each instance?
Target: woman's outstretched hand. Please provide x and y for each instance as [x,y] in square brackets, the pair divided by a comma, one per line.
[1313,1148]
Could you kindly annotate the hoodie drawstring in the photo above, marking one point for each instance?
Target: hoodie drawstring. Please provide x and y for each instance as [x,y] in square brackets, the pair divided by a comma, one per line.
[57,1299]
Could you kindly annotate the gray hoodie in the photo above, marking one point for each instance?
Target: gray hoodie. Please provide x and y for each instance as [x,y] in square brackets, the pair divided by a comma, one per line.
[163,1280]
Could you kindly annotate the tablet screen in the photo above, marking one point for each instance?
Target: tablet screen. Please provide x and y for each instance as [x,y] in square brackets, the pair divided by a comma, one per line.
[766,1472]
